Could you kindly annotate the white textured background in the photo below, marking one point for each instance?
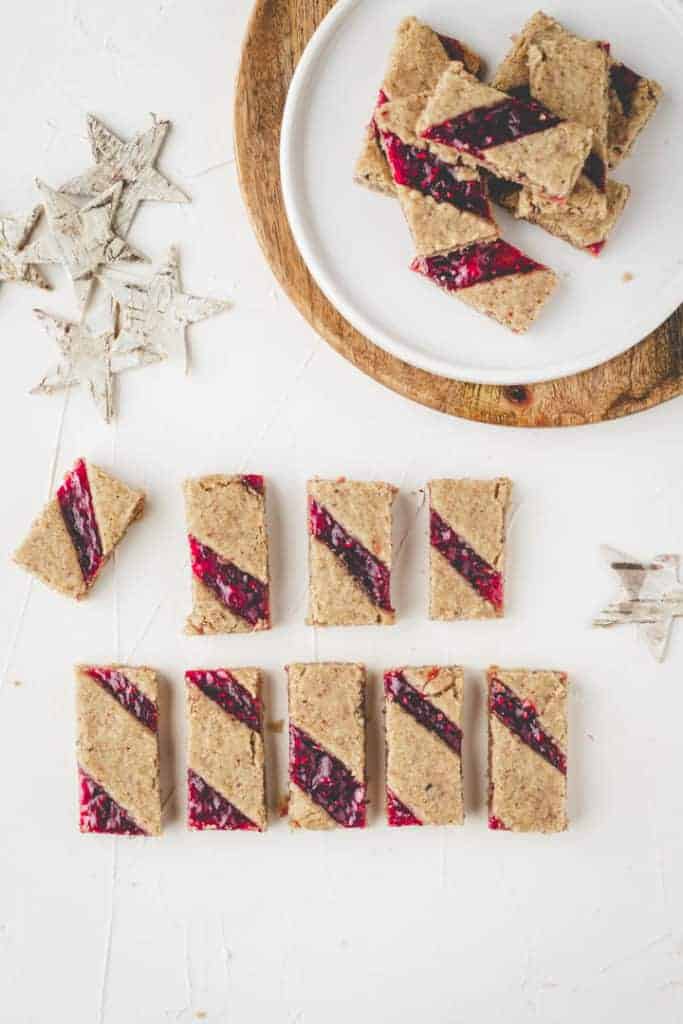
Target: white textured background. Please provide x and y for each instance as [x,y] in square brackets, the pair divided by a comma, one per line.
[456,926]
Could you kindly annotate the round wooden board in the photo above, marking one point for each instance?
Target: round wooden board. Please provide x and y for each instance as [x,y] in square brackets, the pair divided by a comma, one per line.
[648,374]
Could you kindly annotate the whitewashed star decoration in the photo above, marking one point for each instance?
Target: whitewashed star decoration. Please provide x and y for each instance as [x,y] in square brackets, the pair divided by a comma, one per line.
[130,163]
[81,238]
[87,359]
[154,315]
[651,597]
[14,235]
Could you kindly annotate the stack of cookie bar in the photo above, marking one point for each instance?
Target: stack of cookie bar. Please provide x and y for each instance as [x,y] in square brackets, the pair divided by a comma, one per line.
[539,141]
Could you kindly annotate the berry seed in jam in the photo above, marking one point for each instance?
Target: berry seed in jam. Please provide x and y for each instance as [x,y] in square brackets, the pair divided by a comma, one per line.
[371,573]
[76,505]
[483,261]
[487,582]
[482,128]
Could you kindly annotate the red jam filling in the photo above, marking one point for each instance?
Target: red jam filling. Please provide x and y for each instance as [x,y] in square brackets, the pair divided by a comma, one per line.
[100,813]
[483,261]
[483,127]
[487,582]
[370,572]
[624,82]
[76,505]
[127,694]
[327,781]
[398,689]
[596,248]
[254,483]
[221,686]
[206,808]
[421,170]
[521,718]
[453,48]
[398,815]
[241,593]
[496,825]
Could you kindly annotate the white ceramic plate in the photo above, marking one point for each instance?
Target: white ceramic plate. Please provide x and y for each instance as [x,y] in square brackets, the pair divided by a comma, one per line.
[356,244]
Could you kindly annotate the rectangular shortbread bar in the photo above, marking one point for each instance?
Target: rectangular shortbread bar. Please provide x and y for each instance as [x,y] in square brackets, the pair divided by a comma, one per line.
[527,750]
[117,750]
[226,524]
[225,756]
[417,58]
[327,773]
[514,138]
[76,533]
[467,548]
[350,553]
[423,716]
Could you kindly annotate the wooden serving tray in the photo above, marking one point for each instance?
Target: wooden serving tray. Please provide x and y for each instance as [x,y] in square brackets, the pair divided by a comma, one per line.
[650,373]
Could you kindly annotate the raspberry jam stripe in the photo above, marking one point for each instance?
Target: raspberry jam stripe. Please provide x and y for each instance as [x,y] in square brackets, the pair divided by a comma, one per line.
[496,825]
[481,576]
[76,505]
[483,128]
[372,574]
[208,809]
[398,815]
[241,593]
[98,812]
[478,263]
[398,689]
[326,780]
[521,718]
[420,170]
[127,694]
[222,687]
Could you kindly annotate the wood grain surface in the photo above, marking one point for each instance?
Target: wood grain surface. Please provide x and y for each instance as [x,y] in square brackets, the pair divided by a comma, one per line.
[648,374]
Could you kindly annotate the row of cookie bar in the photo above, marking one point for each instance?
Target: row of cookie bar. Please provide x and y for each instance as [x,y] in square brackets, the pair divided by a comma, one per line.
[350,546]
[118,756]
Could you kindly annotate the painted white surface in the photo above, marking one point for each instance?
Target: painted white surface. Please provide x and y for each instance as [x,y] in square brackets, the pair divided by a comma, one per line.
[453,926]
[332,93]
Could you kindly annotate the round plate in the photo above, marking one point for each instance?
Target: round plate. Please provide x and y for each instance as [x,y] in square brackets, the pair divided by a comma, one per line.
[356,244]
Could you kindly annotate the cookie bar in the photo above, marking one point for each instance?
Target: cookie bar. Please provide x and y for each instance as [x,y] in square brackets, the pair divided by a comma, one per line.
[494,278]
[350,550]
[226,763]
[520,140]
[445,203]
[117,750]
[327,774]
[467,548]
[76,533]
[417,58]
[582,229]
[527,750]
[423,712]
[226,524]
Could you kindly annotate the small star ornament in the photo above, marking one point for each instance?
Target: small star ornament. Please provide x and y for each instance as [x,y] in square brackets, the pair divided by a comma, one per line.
[651,597]
[129,163]
[154,315]
[81,238]
[87,359]
[14,235]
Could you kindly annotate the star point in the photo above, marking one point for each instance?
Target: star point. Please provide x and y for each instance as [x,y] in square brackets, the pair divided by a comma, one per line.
[15,233]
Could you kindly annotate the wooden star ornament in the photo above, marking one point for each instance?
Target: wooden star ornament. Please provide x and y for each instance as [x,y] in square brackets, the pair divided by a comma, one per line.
[129,163]
[14,236]
[154,314]
[88,360]
[651,597]
[81,238]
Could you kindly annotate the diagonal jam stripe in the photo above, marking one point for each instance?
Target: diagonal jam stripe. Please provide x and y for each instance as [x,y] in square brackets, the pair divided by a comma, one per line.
[398,814]
[478,263]
[521,718]
[222,687]
[420,170]
[398,689]
[485,127]
[208,809]
[99,812]
[127,694]
[372,574]
[487,582]
[76,505]
[241,593]
[326,780]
